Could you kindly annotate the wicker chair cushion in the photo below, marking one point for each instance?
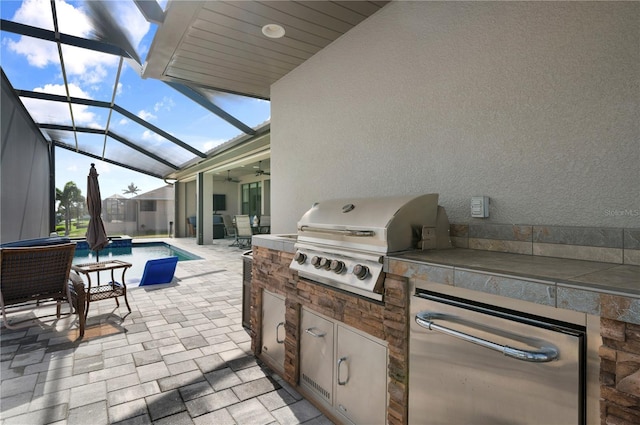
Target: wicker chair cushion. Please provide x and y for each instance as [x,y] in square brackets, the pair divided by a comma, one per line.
[53,240]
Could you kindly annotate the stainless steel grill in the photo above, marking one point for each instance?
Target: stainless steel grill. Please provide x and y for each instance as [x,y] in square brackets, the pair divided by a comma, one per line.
[342,242]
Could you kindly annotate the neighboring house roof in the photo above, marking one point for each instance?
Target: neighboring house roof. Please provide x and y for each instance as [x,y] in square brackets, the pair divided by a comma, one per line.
[164,193]
[116,196]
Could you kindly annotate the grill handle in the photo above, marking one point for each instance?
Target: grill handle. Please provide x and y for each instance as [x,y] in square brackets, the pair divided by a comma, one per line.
[345,232]
[545,354]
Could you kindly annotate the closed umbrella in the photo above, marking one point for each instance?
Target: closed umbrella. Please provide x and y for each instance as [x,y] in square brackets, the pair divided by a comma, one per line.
[96,233]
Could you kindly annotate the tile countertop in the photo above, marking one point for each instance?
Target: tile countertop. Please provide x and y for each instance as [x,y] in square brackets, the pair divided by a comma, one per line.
[604,289]
[277,242]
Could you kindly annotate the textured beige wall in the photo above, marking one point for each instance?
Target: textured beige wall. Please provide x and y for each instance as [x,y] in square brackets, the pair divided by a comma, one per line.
[535,105]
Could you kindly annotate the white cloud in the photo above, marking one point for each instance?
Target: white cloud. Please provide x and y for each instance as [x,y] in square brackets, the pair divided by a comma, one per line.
[71,20]
[38,14]
[210,144]
[147,116]
[151,135]
[94,72]
[81,65]
[105,167]
[58,112]
[166,104]
[131,20]
[74,90]
[123,121]
[39,53]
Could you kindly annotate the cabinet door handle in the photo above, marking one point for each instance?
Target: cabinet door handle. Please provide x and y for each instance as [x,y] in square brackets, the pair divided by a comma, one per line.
[313,333]
[278,340]
[340,361]
[545,354]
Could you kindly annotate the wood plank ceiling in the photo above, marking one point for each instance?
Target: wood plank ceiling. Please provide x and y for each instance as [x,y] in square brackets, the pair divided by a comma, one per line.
[219,45]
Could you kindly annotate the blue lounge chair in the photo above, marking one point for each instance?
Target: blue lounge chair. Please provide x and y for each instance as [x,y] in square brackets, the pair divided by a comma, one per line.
[159,270]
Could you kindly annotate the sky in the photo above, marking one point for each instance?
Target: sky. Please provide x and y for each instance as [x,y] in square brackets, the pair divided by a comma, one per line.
[33,65]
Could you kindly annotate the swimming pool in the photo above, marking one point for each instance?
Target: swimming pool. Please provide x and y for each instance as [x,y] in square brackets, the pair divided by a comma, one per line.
[137,254]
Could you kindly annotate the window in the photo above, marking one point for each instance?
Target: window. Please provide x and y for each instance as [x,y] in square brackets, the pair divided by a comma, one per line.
[252,199]
[149,206]
[115,209]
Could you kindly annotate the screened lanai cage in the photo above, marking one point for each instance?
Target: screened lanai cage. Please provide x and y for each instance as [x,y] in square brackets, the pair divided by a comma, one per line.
[78,68]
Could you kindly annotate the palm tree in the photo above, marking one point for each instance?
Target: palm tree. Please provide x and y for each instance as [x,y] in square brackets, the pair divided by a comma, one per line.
[132,189]
[69,197]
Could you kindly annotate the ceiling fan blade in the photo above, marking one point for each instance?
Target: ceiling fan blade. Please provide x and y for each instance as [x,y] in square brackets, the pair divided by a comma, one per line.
[260,171]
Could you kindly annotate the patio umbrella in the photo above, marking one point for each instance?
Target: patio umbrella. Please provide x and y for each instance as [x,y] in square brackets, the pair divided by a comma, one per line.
[96,233]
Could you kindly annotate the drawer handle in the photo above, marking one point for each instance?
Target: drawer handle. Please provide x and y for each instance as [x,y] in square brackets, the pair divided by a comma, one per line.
[545,354]
[340,361]
[315,334]
[278,340]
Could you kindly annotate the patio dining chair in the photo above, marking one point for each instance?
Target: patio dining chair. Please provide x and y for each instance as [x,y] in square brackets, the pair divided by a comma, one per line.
[244,232]
[265,224]
[229,230]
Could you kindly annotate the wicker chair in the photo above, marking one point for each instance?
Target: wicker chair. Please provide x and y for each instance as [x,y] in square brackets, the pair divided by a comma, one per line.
[32,275]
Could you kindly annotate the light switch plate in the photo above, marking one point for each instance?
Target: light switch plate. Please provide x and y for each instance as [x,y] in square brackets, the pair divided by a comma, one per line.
[480,206]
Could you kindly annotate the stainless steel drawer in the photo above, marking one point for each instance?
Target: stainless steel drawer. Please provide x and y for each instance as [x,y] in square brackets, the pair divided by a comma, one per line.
[316,355]
[485,367]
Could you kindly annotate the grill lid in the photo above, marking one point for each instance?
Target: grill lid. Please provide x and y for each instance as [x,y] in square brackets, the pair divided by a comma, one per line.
[380,225]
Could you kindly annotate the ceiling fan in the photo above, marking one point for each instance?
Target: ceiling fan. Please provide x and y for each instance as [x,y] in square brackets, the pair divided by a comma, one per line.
[260,171]
[229,179]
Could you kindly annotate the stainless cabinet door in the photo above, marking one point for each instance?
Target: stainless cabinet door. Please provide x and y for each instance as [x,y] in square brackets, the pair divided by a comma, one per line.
[361,378]
[454,381]
[316,355]
[273,333]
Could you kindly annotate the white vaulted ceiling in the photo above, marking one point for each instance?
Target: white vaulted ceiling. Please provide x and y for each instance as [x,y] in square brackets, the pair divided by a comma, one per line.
[219,45]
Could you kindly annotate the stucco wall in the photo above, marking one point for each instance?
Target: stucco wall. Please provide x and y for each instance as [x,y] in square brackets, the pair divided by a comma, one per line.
[156,221]
[24,181]
[535,105]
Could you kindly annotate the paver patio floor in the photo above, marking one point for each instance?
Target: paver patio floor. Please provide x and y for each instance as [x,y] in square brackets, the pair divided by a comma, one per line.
[180,357]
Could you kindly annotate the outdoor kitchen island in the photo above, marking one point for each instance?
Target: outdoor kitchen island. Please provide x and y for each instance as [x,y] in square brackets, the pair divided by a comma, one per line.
[605,295]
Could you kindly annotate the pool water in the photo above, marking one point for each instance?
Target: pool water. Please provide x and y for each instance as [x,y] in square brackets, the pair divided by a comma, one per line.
[137,255]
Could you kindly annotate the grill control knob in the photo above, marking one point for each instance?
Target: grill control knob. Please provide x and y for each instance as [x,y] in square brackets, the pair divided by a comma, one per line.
[337,266]
[300,257]
[325,263]
[315,261]
[360,271]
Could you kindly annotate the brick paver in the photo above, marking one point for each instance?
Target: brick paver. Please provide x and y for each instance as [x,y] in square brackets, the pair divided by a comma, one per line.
[180,357]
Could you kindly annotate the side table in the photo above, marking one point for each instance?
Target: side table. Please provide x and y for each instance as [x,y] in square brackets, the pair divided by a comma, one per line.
[112,289]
